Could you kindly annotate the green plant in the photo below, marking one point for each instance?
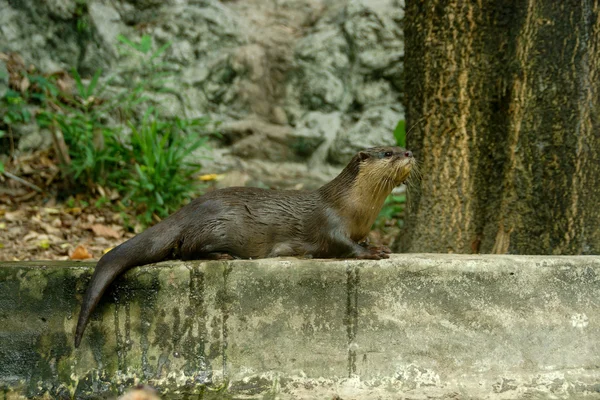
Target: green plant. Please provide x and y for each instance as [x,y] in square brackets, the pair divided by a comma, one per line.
[149,167]
[392,210]
[400,133]
[160,175]
[81,16]
[149,75]
[15,108]
[81,123]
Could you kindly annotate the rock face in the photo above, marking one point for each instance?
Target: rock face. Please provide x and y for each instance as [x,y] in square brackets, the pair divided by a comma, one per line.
[307,82]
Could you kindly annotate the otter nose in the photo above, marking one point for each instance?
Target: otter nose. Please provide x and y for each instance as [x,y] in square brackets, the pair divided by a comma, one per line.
[408,154]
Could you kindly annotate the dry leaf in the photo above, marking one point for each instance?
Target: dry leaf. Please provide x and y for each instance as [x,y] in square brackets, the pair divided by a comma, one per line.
[105,231]
[14,216]
[24,84]
[80,253]
[101,191]
[49,229]
[31,235]
[208,177]
[74,210]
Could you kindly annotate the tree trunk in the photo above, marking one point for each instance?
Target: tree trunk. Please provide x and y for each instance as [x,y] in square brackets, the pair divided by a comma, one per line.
[505,98]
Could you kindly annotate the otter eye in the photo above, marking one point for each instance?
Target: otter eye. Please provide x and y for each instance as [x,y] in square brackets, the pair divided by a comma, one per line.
[388,154]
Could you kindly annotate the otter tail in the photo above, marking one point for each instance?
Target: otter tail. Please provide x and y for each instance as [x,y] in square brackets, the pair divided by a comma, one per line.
[152,245]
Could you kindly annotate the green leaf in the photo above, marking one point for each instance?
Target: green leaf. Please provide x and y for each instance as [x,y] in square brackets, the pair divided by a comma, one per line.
[159,199]
[26,115]
[1,167]
[92,86]
[145,44]
[400,133]
[78,83]
[123,39]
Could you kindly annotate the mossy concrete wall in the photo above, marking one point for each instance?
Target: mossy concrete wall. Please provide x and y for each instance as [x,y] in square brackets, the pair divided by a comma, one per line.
[413,326]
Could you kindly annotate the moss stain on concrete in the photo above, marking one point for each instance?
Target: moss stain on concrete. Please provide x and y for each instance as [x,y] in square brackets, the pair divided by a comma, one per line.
[409,326]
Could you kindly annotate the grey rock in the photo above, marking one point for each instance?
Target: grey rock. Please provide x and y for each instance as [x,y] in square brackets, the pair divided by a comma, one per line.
[145,4]
[3,79]
[323,77]
[182,52]
[375,92]
[107,22]
[33,139]
[376,39]
[41,35]
[320,129]
[374,128]
[259,146]
[319,89]
[63,9]
[327,48]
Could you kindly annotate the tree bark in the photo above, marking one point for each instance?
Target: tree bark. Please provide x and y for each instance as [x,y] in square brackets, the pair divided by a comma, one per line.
[505,98]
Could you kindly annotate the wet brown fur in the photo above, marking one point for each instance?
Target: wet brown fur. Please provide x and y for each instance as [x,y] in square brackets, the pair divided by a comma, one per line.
[244,222]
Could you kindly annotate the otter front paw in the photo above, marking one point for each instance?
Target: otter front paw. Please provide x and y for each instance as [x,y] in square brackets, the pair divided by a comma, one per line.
[380,249]
[373,253]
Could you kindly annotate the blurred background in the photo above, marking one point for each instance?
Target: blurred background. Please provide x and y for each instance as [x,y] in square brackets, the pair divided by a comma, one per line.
[115,113]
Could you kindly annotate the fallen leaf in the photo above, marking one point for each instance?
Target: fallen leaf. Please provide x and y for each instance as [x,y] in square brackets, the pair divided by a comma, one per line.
[49,229]
[80,253]
[31,235]
[2,225]
[138,228]
[105,231]
[24,84]
[101,191]
[208,177]
[14,216]
[114,195]
[44,244]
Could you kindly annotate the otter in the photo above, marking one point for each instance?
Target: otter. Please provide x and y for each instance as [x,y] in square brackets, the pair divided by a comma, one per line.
[245,222]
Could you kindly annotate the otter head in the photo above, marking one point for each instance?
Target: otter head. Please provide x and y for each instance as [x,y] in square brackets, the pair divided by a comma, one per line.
[392,164]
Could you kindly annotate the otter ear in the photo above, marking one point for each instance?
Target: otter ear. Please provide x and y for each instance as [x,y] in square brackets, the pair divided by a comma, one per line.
[363,155]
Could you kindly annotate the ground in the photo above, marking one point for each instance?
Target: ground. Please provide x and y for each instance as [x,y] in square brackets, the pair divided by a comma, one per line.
[50,225]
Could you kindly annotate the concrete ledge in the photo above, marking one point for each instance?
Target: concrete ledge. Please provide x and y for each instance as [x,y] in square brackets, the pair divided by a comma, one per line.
[417,326]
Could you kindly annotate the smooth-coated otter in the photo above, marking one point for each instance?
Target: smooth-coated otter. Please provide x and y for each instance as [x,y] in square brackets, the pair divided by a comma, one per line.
[245,222]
